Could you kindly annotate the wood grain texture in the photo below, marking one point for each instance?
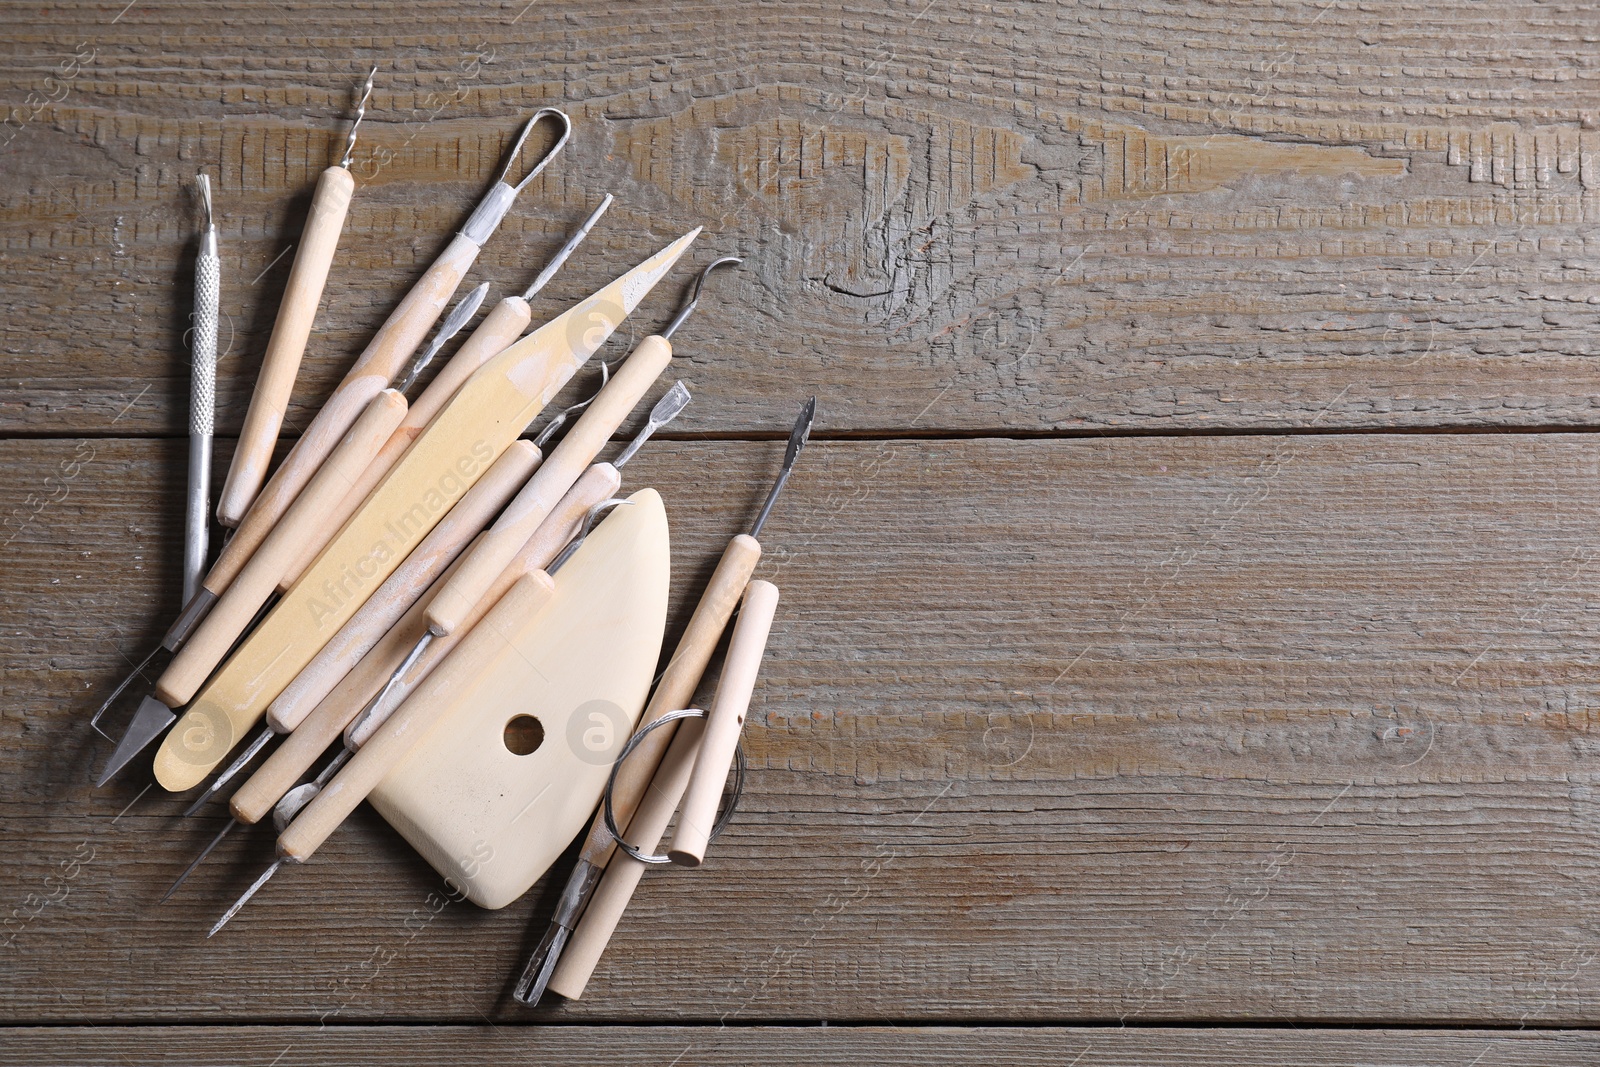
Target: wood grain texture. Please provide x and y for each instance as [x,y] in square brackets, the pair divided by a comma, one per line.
[1144,729]
[1137,215]
[810,1046]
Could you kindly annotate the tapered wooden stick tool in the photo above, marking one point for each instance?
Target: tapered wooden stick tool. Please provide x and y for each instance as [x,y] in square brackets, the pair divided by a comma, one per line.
[674,691]
[279,367]
[478,424]
[400,334]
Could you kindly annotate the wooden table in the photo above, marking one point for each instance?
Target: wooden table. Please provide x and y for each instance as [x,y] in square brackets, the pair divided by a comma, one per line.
[1191,599]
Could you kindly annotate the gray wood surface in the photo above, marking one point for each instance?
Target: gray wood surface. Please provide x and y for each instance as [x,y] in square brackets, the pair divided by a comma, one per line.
[1165,646]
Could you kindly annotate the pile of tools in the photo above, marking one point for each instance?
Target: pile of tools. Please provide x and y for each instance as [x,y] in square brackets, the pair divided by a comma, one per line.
[457,625]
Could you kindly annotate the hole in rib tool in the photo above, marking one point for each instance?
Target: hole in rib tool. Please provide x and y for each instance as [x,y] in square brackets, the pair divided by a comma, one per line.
[309,814]
[675,690]
[398,337]
[301,296]
[461,443]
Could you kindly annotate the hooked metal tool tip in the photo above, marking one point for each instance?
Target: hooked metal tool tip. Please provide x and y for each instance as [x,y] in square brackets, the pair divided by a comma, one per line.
[459,316]
[567,249]
[694,295]
[561,418]
[361,113]
[797,441]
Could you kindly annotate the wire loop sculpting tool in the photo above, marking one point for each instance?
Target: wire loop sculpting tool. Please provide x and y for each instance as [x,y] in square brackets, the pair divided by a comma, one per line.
[675,690]
[649,822]
[608,805]
[296,314]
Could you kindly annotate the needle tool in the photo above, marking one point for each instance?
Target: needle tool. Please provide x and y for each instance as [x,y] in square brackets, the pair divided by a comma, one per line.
[296,314]
[674,691]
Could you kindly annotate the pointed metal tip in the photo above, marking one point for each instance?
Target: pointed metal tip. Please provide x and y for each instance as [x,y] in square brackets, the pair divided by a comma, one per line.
[565,252]
[199,803]
[361,113]
[198,860]
[149,722]
[541,965]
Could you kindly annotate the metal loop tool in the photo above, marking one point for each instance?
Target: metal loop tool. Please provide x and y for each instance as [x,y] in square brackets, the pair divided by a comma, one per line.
[728,809]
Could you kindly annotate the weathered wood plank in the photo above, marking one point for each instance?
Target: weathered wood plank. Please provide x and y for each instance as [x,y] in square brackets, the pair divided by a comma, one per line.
[1143,215]
[1143,729]
[288,1046]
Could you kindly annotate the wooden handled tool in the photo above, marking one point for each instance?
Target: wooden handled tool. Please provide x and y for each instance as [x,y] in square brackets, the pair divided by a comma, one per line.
[724,723]
[499,329]
[373,369]
[680,764]
[675,690]
[489,412]
[281,364]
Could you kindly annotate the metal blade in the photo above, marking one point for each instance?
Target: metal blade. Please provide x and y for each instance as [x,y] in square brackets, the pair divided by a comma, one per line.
[667,408]
[797,441]
[459,316]
[149,723]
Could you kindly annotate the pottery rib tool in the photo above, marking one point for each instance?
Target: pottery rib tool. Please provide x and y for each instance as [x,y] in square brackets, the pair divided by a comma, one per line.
[308,525]
[479,423]
[292,328]
[492,667]
[675,690]
[202,399]
[400,334]
[654,812]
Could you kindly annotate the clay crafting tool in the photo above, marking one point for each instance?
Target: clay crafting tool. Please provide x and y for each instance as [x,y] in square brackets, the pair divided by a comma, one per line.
[553,653]
[400,335]
[675,690]
[712,740]
[479,423]
[202,399]
[301,296]
[311,520]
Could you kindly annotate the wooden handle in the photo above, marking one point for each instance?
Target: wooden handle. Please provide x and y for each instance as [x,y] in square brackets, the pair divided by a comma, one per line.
[300,750]
[598,483]
[503,325]
[676,689]
[255,583]
[395,340]
[411,721]
[281,363]
[525,514]
[724,723]
[400,591]
[611,896]
[477,425]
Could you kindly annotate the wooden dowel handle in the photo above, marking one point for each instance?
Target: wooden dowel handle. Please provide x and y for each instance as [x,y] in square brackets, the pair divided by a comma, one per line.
[724,723]
[255,583]
[319,729]
[394,342]
[676,688]
[644,831]
[503,325]
[281,364]
[598,483]
[400,591]
[412,721]
[554,477]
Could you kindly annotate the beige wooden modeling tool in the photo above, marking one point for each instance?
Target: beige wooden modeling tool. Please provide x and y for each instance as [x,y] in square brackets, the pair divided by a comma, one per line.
[400,334]
[650,819]
[674,691]
[479,423]
[456,766]
[301,297]
[723,725]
